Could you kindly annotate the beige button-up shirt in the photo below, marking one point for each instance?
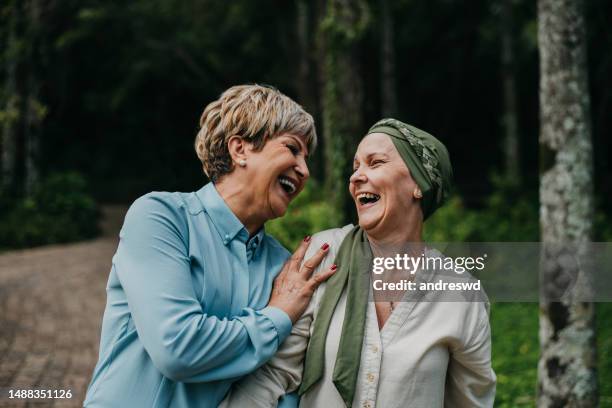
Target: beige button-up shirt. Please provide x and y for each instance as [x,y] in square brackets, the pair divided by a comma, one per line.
[427,355]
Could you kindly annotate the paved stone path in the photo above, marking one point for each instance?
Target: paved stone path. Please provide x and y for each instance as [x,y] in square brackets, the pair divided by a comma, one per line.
[51,304]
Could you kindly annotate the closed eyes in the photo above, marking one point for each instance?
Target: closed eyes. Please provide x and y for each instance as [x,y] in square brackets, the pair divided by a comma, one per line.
[294,149]
[373,163]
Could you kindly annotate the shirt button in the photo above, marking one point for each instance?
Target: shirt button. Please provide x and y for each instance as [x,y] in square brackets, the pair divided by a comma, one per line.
[375,349]
[367,404]
[370,377]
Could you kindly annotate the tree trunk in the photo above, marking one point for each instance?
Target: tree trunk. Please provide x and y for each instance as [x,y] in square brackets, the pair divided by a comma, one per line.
[303,77]
[388,97]
[510,121]
[566,370]
[341,29]
[307,77]
[35,111]
[11,114]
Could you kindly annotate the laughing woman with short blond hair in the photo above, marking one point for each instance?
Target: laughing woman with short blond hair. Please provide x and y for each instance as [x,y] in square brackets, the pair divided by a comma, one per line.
[192,299]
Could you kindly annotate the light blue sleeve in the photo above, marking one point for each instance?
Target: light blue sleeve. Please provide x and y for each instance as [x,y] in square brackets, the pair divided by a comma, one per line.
[185,343]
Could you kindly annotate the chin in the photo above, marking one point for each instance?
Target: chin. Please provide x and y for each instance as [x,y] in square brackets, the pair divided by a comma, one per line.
[369,218]
[367,223]
[278,210]
[281,213]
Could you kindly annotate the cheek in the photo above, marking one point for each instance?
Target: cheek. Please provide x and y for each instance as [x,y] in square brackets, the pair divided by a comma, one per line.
[378,178]
[281,160]
[402,185]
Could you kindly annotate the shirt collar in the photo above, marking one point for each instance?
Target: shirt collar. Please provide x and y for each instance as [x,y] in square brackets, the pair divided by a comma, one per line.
[225,221]
[254,243]
[258,237]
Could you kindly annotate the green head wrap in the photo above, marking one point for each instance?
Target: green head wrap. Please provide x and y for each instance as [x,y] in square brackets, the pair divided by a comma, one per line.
[428,162]
[426,158]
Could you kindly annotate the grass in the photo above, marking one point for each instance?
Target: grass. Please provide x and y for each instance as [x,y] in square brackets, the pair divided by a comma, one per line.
[514,330]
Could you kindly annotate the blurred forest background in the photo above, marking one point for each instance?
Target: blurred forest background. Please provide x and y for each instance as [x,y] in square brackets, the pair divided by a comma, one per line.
[100,102]
[104,97]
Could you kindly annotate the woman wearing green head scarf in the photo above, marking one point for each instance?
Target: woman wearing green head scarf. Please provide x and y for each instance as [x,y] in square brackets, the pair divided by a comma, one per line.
[383,353]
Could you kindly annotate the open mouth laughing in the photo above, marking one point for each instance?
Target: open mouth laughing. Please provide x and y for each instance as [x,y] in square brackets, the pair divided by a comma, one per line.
[288,185]
[367,198]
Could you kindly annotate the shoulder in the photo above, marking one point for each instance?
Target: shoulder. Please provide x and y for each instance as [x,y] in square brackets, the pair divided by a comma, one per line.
[158,199]
[333,237]
[469,305]
[157,209]
[447,270]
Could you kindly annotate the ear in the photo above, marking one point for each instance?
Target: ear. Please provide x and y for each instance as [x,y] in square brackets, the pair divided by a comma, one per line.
[237,147]
[417,193]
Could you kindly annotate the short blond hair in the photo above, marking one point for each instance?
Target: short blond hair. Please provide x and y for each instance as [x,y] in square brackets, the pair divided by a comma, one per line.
[254,112]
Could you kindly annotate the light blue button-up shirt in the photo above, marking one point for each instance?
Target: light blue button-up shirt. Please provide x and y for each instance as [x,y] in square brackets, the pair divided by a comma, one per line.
[186,304]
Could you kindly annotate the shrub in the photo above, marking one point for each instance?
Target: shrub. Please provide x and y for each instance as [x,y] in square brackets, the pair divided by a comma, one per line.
[452,223]
[602,227]
[59,209]
[508,215]
[307,214]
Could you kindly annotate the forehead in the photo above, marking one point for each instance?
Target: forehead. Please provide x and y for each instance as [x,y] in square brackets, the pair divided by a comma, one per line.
[376,143]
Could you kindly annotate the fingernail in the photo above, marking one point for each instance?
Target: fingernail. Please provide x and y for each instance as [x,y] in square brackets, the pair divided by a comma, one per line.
[325,246]
[307,238]
[334,267]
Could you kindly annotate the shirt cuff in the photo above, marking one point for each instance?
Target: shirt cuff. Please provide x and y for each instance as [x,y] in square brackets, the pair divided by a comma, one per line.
[281,321]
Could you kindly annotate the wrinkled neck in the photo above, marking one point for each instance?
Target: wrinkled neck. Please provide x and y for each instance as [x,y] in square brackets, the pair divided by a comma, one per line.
[400,233]
[240,198]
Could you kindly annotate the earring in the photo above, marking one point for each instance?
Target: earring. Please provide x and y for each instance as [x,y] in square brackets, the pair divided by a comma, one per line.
[242,163]
[417,193]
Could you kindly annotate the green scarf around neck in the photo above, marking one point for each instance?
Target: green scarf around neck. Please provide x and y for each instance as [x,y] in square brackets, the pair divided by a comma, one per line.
[354,261]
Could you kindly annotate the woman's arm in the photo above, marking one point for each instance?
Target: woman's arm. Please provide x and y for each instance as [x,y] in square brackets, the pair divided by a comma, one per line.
[279,376]
[470,380]
[283,373]
[184,342]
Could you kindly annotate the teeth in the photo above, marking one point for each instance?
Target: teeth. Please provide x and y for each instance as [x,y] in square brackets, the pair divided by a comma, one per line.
[287,183]
[367,195]
[367,198]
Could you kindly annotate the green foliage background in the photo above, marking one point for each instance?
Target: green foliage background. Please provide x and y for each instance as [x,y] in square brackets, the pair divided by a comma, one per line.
[59,209]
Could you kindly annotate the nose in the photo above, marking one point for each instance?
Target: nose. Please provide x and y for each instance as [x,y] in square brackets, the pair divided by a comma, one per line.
[302,169]
[357,177]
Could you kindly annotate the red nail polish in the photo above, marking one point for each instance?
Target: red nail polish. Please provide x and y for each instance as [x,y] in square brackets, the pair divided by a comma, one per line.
[334,267]
[325,246]
[307,238]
